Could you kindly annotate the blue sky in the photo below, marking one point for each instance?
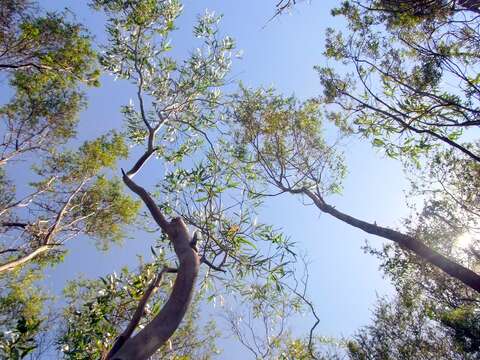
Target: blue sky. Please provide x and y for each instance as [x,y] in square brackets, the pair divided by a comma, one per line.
[344,282]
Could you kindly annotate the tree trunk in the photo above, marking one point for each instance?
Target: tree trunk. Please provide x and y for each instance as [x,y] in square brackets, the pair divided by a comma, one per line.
[156,333]
[459,272]
[161,328]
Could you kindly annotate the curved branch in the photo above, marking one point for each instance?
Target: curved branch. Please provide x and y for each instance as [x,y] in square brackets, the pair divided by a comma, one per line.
[459,272]
[141,161]
[148,201]
[414,129]
[204,260]
[9,266]
[156,333]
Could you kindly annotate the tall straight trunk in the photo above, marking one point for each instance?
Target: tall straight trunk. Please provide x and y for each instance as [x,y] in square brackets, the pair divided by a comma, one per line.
[457,271]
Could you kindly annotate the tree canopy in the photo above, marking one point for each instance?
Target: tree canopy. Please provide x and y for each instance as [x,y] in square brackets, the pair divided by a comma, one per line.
[221,151]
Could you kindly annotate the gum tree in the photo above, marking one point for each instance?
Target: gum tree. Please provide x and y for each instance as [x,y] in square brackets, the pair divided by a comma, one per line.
[399,64]
[175,117]
[46,59]
[406,79]
[283,139]
[97,311]
[442,309]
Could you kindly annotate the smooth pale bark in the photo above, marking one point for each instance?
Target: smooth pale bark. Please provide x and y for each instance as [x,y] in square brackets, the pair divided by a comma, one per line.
[137,316]
[156,333]
[459,272]
[47,241]
[9,266]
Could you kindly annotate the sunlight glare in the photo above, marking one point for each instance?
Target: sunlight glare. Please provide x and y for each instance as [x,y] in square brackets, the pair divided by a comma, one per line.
[464,241]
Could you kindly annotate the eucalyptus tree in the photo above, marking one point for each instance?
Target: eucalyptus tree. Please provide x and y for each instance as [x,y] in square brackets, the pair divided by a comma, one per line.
[98,309]
[72,197]
[409,78]
[77,200]
[48,193]
[450,211]
[409,83]
[47,59]
[405,76]
[283,140]
[398,61]
[175,117]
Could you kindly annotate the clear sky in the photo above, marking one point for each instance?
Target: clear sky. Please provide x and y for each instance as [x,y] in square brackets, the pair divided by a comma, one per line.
[344,281]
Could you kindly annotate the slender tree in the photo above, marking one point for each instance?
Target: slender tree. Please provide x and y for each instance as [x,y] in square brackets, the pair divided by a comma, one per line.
[446,309]
[283,139]
[398,67]
[46,59]
[175,118]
